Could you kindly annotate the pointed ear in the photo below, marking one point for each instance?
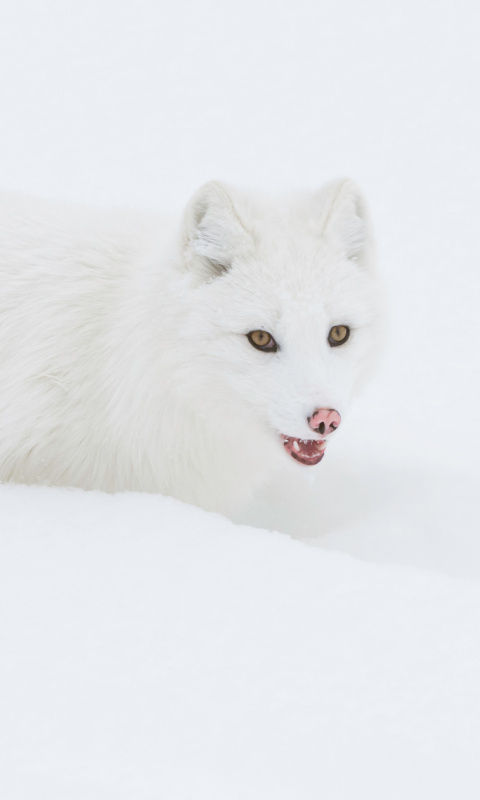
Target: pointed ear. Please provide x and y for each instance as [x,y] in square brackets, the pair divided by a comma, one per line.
[347,220]
[213,231]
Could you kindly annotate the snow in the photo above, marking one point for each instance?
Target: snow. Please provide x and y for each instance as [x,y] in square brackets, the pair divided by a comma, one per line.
[325,644]
[164,652]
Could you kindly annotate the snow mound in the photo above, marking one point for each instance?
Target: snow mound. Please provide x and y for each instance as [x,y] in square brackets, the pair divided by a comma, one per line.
[152,650]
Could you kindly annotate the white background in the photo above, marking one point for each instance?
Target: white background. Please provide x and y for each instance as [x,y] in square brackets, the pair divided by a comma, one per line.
[136,104]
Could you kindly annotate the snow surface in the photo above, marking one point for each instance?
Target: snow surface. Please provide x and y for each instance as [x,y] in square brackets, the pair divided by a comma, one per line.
[149,650]
[152,650]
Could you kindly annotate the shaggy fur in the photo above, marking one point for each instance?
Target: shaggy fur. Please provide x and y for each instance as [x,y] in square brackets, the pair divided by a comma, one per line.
[124,361]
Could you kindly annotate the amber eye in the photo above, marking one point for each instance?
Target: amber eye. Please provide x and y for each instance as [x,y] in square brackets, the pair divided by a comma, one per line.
[262,341]
[338,335]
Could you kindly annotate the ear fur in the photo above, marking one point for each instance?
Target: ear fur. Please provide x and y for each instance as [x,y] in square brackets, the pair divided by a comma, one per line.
[347,219]
[214,232]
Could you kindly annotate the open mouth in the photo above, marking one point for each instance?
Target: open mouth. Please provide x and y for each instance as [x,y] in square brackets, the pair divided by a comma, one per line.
[306,451]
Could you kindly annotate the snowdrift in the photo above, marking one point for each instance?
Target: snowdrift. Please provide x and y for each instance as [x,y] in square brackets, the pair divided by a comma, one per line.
[152,650]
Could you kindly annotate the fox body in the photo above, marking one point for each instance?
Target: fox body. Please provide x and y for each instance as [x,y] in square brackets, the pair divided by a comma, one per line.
[190,356]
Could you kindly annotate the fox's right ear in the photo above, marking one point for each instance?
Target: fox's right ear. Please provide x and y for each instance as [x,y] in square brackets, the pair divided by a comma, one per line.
[346,218]
[213,231]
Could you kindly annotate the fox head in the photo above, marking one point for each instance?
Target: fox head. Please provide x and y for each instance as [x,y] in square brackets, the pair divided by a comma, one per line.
[285,317]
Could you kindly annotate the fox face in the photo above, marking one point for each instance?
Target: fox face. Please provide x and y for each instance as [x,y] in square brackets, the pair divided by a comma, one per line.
[286,312]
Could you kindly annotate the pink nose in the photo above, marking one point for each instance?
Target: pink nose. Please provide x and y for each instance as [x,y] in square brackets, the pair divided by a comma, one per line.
[324,421]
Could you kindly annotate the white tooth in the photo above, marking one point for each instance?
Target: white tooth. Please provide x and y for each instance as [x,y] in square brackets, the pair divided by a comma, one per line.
[296,446]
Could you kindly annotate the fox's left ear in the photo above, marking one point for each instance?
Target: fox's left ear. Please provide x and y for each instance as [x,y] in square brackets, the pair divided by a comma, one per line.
[213,231]
[346,218]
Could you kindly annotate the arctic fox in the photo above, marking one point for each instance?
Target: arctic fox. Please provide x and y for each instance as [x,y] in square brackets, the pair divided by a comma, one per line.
[188,357]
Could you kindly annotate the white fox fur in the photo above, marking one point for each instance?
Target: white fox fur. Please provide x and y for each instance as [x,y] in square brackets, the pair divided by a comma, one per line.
[124,360]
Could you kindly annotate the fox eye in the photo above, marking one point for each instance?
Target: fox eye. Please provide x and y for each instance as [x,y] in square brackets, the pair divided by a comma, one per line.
[338,335]
[262,340]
